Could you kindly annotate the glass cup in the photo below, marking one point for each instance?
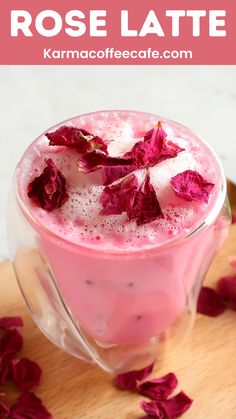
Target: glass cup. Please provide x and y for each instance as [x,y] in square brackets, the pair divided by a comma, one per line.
[118,310]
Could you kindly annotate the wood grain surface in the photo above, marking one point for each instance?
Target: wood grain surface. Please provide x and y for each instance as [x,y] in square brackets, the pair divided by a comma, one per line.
[205,364]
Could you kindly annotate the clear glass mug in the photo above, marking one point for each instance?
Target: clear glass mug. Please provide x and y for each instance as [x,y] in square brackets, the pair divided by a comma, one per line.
[118,310]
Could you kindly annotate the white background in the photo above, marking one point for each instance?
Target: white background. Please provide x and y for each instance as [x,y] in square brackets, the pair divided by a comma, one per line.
[34,98]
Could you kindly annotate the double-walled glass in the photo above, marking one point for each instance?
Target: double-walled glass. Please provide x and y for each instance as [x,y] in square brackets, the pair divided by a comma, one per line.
[118,310]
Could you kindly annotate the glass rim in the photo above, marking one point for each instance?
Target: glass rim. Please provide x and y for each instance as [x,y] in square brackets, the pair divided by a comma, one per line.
[100,251]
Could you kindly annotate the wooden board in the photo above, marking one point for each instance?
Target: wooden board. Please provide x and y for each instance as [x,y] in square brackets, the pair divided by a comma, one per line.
[205,364]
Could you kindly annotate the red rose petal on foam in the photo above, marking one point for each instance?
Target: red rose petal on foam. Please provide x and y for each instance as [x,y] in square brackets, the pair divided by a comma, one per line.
[11,343]
[154,149]
[227,288]
[97,143]
[26,374]
[7,323]
[117,198]
[210,302]
[4,410]
[167,409]
[76,138]
[112,173]
[96,159]
[158,388]
[146,207]
[190,185]
[49,189]
[29,406]
[91,162]
[129,380]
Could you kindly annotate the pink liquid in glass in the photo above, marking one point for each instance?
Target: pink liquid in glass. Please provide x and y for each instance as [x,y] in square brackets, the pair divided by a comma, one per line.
[125,284]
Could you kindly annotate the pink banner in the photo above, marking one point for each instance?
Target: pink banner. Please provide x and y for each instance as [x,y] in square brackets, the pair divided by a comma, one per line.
[118,32]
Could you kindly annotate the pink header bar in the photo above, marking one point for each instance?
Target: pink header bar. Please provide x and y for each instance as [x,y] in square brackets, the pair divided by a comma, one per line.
[118,32]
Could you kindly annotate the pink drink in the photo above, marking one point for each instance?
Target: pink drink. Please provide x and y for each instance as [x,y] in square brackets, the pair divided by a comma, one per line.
[123,284]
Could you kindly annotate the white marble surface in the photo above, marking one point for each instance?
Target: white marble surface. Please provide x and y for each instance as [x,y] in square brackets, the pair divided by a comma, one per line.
[34,98]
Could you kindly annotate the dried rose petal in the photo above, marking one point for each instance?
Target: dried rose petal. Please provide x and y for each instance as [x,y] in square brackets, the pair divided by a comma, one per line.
[96,159]
[49,189]
[76,138]
[232,261]
[158,388]
[117,198]
[11,343]
[190,185]
[210,302]
[227,288]
[146,207]
[154,409]
[7,323]
[233,218]
[97,143]
[177,405]
[29,406]
[4,410]
[91,162]
[25,373]
[112,173]
[4,368]
[167,409]
[154,149]
[140,204]
[129,380]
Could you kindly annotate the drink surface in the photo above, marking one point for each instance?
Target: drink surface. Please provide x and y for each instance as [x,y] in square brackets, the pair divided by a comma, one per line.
[80,221]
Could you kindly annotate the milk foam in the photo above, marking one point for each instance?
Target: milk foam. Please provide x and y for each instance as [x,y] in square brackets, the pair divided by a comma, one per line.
[79,219]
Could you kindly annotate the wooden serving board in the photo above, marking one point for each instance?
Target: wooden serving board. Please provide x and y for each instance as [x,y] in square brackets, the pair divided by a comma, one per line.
[205,364]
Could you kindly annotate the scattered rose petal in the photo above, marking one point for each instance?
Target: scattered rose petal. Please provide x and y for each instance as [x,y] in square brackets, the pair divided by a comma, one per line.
[29,406]
[227,288]
[4,410]
[154,149]
[129,380]
[190,185]
[5,370]
[11,343]
[112,173]
[232,261]
[210,302]
[117,198]
[233,218]
[96,160]
[26,374]
[167,409]
[7,323]
[146,207]
[49,189]
[76,138]
[154,409]
[178,405]
[158,388]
